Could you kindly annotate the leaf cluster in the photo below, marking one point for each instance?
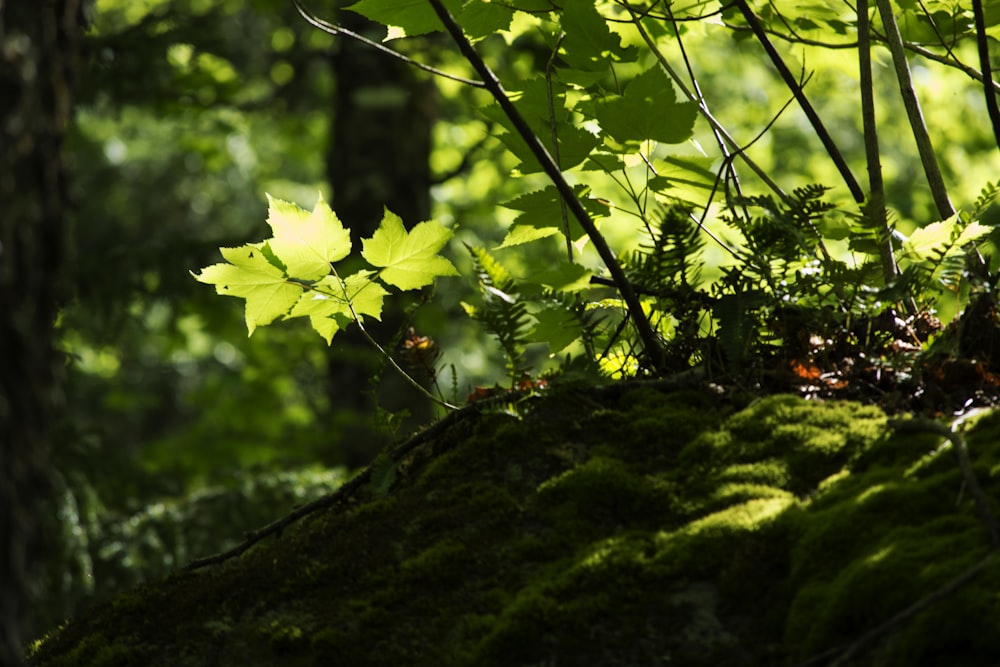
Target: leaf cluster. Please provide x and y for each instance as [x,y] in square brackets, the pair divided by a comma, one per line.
[293,275]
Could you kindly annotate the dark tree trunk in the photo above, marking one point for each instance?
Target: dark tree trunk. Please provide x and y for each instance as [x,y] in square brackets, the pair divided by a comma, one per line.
[378,157]
[39,55]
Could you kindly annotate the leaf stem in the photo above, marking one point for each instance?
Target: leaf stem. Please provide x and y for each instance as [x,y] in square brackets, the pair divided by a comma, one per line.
[388,357]
[650,341]
[336,30]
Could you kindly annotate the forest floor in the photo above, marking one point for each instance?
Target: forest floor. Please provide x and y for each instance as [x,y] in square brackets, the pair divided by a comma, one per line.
[630,524]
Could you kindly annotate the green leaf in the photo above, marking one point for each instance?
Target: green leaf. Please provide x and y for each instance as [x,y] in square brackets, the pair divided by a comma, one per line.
[542,215]
[648,110]
[943,235]
[478,18]
[521,234]
[414,17]
[531,98]
[575,144]
[306,243]
[557,327]
[408,259]
[327,306]
[688,178]
[588,41]
[564,277]
[482,18]
[250,275]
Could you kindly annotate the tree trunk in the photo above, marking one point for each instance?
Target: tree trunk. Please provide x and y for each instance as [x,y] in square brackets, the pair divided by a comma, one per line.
[378,157]
[40,52]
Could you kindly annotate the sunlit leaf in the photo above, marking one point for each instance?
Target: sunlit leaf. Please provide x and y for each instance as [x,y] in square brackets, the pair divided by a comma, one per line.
[327,306]
[408,260]
[306,242]
[939,236]
[250,275]
[541,215]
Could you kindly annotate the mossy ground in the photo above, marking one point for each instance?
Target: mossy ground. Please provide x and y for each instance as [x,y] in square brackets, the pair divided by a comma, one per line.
[602,528]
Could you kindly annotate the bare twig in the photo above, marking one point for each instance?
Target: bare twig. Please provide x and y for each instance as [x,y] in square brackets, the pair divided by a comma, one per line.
[876,197]
[913,112]
[388,357]
[706,112]
[344,492]
[786,75]
[846,653]
[946,60]
[650,341]
[971,72]
[984,62]
[553,131]
[918,425]
[732,176]
[334,29]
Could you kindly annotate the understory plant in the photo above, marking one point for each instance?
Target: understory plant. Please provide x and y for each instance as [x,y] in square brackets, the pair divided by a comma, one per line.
[730,272]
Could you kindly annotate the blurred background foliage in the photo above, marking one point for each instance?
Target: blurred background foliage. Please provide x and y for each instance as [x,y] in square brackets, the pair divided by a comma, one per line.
[180,433]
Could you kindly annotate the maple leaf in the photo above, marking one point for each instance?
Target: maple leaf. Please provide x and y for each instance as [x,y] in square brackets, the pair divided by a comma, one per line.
[327,306]
[250,275]
[408,260]
[648,110]
[307,243]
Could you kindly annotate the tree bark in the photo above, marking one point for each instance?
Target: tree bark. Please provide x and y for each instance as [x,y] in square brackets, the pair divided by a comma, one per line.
[40,53]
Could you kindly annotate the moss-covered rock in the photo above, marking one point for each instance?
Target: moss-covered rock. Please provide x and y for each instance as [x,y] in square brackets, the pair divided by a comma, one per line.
[632,527]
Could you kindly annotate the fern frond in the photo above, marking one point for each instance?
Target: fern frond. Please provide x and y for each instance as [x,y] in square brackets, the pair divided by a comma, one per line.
[503,312]
[671,256]
[985,199]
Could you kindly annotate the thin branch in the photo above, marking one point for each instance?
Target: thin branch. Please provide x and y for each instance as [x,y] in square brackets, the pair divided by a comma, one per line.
[984,62]
[731,169]
[937,32]
[792,39]
[645,330]
[346,490]
[647,12]
[705,112]
[920,135]
[971,72]
[917,425]
[947,60]
[807,108]
[553,131]
[333,29]
[876,197]
[852,650]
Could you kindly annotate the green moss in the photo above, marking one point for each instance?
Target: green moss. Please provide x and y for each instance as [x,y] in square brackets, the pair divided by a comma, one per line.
[616,528]
[95,650]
